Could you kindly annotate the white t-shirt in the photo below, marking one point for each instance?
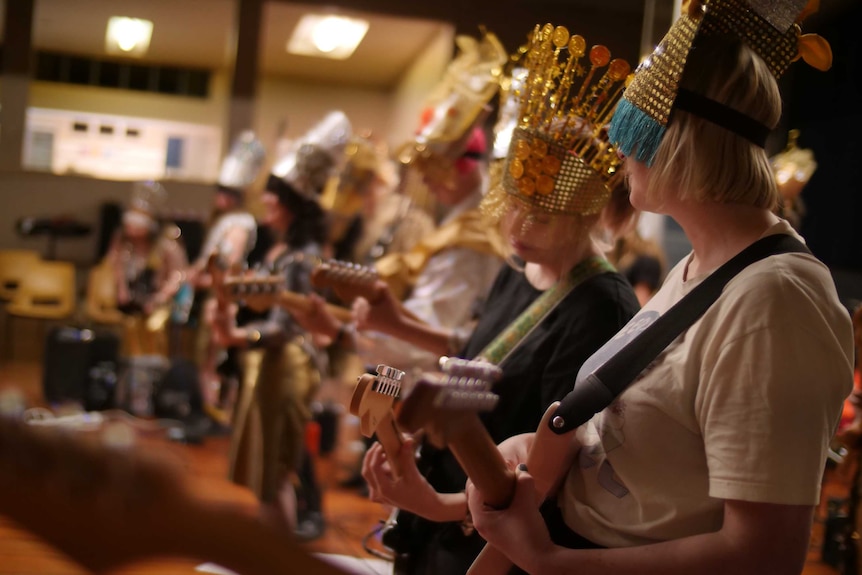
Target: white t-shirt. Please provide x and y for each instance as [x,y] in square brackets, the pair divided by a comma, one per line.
[741,406]
[446,294]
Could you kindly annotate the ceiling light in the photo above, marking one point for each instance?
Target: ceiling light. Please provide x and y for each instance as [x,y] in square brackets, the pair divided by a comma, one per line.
[128,36]
[327,36]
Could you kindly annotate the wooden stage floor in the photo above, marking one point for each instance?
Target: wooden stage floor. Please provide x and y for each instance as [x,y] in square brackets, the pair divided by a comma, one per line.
[349,516]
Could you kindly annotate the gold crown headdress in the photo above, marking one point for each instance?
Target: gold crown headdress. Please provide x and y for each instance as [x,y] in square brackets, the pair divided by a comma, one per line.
[455,105]
[769,27]
[559,158]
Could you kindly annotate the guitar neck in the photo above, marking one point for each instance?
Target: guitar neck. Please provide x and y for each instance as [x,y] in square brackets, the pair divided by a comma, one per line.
[549,459]
[350,281]
[480,459]
[390,438]
[293,301]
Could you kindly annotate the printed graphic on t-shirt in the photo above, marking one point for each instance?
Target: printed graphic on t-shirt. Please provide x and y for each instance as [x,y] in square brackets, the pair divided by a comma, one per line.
[606,431]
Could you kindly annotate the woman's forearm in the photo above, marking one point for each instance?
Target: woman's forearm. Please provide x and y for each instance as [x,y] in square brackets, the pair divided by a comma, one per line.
[422,335]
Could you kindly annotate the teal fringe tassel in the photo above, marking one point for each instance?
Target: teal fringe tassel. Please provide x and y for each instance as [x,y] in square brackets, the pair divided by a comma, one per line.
[635,133]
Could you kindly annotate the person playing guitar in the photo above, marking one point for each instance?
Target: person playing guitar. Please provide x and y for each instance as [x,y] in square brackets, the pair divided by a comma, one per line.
[711,460]
[547,312]
[148,264]
[280,371]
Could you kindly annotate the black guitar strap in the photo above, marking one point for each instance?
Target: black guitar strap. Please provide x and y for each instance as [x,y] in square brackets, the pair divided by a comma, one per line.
[600,388]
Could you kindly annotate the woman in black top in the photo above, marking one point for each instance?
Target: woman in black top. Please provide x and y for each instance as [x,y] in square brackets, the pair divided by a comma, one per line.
[279,367]
[539,371]
[551,200]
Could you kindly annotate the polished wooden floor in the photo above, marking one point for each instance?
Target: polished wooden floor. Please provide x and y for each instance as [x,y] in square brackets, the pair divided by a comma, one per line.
[349,516]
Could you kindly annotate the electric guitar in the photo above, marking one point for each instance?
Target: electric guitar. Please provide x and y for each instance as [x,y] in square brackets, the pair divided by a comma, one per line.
[108,507]
[260,293]
[446,406]
[350,281]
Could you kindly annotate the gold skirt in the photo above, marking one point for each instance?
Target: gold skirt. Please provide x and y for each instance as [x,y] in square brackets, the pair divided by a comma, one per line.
[271,414]
[146,334]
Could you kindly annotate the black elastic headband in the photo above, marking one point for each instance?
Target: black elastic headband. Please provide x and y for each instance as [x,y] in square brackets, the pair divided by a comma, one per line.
[722,115]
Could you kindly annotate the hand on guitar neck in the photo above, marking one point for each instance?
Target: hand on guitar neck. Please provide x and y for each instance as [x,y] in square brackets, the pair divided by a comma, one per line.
[389,466]
[109,507]
[373,303]
[260,293]
[547,458]
[446,407]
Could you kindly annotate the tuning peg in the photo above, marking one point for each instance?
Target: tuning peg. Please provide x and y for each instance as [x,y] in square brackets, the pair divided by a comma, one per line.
[473,400]
[388,380]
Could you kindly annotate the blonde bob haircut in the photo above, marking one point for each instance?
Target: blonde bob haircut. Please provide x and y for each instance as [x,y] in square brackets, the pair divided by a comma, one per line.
[708,163]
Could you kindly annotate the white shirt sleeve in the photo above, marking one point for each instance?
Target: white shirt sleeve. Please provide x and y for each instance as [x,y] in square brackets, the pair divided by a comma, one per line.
[447,294]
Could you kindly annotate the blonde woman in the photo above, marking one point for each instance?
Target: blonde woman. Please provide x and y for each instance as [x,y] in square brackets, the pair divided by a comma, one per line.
[711,461]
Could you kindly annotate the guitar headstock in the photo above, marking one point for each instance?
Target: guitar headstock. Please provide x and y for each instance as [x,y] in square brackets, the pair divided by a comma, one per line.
[374,397]
[348,280]
[257,292]
[436,399]
[372,402]
[446,406]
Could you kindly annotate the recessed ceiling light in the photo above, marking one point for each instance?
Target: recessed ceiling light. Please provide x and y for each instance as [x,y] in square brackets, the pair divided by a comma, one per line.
[327,36]
[128,36]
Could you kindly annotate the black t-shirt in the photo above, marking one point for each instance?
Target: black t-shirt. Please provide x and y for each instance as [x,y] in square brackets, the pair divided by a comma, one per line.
[543,368]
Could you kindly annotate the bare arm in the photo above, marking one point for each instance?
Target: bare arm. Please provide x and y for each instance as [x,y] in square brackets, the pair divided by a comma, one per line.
[233,245]
[387,315]
[755,538]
